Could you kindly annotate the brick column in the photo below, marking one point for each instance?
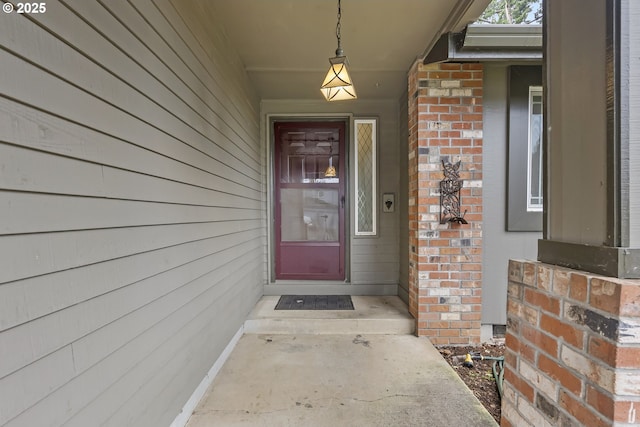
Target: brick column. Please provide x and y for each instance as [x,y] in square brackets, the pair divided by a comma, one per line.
[573,348]
[445,272]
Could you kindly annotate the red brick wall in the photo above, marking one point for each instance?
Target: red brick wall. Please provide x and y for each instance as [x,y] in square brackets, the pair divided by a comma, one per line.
[445,270]
[573,348]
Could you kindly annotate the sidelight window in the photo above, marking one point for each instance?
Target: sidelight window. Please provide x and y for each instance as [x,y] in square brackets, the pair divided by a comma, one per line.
[365,176]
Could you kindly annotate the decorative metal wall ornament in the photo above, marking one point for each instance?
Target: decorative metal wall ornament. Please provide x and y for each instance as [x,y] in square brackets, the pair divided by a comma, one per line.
[450,188]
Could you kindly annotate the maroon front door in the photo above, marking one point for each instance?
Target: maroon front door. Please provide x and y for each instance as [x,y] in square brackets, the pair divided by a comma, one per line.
[309,200]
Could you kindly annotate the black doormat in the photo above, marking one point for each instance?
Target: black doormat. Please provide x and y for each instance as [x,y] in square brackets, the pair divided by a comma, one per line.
[315,302]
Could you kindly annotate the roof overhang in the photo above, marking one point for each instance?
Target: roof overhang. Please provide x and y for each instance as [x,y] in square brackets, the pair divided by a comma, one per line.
[285,45]
[482,42]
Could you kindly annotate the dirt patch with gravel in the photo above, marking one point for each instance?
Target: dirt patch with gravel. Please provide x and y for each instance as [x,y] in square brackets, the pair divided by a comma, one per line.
[479,378]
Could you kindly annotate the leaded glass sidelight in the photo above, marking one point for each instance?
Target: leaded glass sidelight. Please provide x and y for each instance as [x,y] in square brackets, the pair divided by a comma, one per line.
[365,179]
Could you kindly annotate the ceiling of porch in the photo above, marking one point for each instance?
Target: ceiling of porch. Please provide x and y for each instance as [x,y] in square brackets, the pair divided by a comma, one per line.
[285,44]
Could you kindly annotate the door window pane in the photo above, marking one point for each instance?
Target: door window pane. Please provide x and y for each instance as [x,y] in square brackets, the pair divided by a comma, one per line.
[307,157]
[309,214]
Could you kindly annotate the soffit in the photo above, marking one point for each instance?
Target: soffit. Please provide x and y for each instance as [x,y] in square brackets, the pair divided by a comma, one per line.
[285,44]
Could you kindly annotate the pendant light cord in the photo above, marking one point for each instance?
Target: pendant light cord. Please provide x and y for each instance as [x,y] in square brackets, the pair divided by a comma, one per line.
[339,51]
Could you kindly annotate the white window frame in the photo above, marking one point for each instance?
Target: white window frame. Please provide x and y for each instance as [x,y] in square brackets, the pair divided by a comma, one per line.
[533,207]
[374,173]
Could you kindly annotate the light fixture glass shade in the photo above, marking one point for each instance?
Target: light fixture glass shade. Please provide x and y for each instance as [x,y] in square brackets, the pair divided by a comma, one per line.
[337,85]
[330,172]
[339,93]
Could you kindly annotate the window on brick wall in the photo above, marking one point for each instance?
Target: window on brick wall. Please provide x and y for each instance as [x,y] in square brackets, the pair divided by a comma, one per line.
[524,192]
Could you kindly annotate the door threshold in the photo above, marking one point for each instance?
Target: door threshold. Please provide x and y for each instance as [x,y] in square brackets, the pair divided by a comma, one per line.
[309,282]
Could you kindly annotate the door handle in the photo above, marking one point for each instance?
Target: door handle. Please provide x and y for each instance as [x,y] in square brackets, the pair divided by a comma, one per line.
[342,202]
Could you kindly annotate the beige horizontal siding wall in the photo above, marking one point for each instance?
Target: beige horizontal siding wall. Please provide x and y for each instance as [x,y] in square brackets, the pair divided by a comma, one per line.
[375,259]
[132,210]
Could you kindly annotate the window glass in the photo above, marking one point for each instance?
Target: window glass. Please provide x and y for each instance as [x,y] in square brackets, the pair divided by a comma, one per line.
[365,181]
[534,169]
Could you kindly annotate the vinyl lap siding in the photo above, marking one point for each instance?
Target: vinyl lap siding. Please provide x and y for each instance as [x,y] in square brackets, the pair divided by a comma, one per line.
[131,210]
[375,260]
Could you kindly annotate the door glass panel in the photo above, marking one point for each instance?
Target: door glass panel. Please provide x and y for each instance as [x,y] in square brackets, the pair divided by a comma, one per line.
[309,214]
[307,157]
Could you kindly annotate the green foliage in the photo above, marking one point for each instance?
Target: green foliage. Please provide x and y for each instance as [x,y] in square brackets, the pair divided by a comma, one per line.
[513,12]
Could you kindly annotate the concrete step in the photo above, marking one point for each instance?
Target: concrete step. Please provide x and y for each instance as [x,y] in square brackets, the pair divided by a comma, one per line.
[386,315]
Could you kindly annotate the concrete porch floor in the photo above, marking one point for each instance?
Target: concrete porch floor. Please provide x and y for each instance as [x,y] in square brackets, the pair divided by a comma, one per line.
[339,371]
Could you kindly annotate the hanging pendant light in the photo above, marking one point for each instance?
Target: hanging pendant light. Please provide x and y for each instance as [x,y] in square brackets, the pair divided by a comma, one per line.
[331,170]
[337,85]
